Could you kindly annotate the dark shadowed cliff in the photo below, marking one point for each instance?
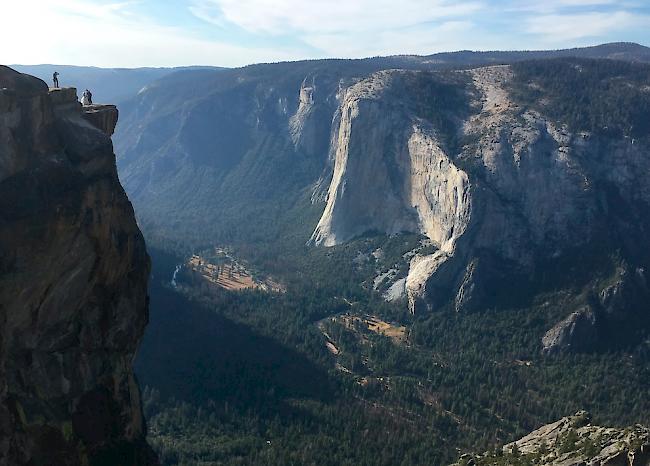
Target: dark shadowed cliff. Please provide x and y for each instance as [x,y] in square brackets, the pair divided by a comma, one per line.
[73,285]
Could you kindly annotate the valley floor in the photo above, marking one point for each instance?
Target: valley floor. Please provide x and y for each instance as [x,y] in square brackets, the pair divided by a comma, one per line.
[310,377]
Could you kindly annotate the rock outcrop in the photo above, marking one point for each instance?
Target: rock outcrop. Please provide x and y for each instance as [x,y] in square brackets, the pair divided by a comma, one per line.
[102,116]
[391,174]
[298,121]
[577,332]
[73,286]
[518,200]
[573,441]
[511,198]
[615,315]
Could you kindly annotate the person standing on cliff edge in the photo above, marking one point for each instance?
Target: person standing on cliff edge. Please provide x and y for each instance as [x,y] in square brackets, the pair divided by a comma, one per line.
[87,98]
[55,79]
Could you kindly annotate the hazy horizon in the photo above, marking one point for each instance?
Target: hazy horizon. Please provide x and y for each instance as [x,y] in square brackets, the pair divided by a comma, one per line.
[231,33]
[197,65]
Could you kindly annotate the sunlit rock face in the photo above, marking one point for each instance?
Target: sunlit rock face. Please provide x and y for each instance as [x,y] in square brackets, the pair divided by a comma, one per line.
[554,445]
[73,286]
[392,174]
[512,199]
[520,206]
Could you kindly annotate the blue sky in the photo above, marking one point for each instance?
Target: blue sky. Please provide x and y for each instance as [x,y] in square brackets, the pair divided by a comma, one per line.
[132,33]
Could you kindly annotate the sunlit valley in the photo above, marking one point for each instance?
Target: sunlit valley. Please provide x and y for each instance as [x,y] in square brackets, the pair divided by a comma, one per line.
[344,354]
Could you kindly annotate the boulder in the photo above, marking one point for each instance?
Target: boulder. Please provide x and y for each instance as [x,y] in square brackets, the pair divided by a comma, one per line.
[578,332]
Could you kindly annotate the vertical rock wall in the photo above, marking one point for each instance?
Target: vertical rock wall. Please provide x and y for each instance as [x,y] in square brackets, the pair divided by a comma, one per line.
[73,287]
[515,203]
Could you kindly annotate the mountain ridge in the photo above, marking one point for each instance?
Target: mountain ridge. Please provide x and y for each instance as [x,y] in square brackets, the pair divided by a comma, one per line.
[253,142]
[285,80]
[537,273]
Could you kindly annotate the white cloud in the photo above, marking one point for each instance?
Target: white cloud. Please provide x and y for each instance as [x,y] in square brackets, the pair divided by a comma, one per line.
[451,35]
[83,32]
[555,5]
[353,28]
[121,33]
[557,28]
[361,28]
[568,7]
[280,17]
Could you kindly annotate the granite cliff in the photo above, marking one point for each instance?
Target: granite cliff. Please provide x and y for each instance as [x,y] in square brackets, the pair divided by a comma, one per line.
[73,285]
[508,195]
[572,441]
[222,156]
[506,205]
[528,189]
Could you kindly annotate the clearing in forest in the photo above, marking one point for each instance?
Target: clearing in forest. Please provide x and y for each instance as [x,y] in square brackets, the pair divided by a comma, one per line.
[368,323]
[222,270]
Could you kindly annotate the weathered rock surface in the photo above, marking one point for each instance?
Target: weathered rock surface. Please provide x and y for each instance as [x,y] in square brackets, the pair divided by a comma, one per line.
[73,287]
[102,116]
[390,173]
[577,332]
[517,196]
[517,204]
[298,121]
[573,441]
[614,315]
[206,152]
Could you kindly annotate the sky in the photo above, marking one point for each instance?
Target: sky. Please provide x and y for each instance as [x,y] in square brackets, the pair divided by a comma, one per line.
[135,33]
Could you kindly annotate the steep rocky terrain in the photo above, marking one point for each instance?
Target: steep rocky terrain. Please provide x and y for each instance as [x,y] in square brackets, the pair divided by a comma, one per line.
[507,199]
[107,84]
[203,152]
[527,191]
[502,210]
[73,285]
[572,441]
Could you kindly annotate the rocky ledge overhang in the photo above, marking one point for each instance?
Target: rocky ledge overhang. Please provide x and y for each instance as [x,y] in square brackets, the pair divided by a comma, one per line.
[101,116]
[73,285]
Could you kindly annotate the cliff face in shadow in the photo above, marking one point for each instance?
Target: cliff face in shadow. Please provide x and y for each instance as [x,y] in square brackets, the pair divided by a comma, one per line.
[73,286]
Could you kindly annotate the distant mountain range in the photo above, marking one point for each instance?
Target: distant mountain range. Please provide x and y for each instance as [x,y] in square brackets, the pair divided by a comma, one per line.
[108,85]
[114,85]
[510,171]
[492,209]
